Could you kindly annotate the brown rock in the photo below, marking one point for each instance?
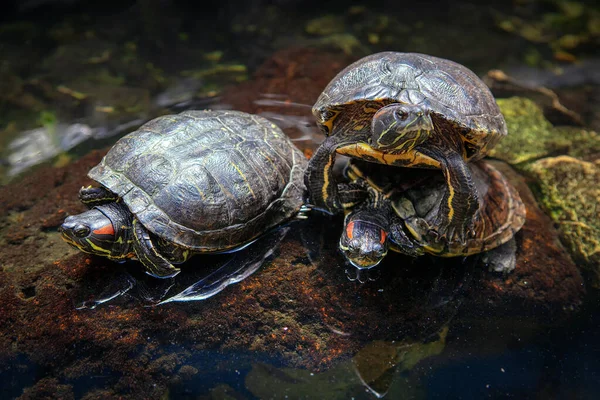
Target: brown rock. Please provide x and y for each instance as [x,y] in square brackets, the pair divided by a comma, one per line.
[545,279]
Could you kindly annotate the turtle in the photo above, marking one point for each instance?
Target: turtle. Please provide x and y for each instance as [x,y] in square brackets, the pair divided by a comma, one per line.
[396,212]
[410,110]
[203,181]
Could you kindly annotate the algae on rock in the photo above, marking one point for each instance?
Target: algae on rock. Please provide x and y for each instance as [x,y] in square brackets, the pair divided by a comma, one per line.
[569,191]
[531,136]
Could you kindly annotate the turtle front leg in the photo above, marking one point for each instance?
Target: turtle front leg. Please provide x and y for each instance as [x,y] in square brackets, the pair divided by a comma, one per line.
[401,242]
[156,265]
[351,194]
[459,208]
[322,188]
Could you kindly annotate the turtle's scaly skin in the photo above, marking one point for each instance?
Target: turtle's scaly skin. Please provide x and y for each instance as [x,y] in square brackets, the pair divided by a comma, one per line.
[415,199]
[409,110]
[206,181]
[501,214]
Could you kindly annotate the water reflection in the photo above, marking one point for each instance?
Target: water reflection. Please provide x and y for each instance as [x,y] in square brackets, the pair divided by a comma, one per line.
[200,283]
[384,326]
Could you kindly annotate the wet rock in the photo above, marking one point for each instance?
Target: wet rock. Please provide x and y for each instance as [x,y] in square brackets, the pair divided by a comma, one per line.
[545,280]
[48,388]
[34,206]
[374,371]
[569,192]
[284,89]
[298,74]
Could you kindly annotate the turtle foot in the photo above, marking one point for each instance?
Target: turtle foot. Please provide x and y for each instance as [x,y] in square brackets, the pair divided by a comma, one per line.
[444,231]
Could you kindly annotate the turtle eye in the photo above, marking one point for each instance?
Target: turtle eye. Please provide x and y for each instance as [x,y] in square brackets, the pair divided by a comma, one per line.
[401,115]
[81,231]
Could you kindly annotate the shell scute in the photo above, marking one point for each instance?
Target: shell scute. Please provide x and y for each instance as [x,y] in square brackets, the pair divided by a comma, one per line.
[205,180]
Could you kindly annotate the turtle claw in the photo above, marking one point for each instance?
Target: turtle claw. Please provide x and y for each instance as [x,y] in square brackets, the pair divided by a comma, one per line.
[451,233]
[361,275]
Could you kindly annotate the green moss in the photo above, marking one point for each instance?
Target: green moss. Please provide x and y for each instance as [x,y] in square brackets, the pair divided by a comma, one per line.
[530,135]
[569,192]
[325,25]
[583,143]
[228,70]
[345,42]
[48,119]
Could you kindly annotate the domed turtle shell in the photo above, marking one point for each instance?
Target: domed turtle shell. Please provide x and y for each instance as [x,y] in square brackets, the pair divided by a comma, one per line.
[206,180]
[449,90]
[416,195]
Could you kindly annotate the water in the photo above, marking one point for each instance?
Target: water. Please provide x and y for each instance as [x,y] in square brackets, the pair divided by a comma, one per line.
[288,317]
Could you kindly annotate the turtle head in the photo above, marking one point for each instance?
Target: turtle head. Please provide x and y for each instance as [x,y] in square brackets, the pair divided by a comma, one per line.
[102,230]
[400,127]
[364,241]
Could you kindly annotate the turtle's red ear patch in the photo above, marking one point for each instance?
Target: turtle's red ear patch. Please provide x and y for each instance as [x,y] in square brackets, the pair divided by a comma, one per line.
[382,237]
[107,229]
[350,230]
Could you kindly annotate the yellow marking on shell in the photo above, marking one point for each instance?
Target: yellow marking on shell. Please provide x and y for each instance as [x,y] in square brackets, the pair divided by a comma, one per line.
[361,150]
[244,178]
[431,250]
[368,109]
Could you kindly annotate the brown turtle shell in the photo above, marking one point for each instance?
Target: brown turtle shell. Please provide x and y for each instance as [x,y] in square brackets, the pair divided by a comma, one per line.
[416,195]
[452,92]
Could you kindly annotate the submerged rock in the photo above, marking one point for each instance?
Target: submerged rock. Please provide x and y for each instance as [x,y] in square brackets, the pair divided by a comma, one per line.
[569,191]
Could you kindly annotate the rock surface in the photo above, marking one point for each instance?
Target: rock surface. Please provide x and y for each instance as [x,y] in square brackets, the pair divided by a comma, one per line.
[569,191]
[299,310]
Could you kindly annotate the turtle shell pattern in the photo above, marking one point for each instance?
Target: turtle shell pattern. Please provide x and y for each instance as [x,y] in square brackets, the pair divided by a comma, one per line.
[208,181]
[416,195]
[501,212]
[451,91]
